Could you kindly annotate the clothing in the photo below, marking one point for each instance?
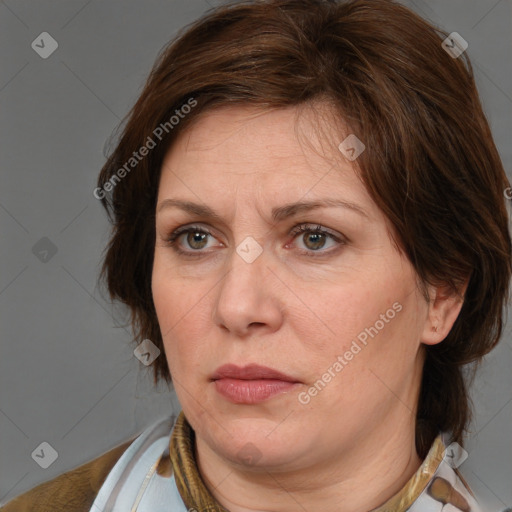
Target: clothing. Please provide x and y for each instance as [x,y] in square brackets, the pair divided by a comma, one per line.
[157,472]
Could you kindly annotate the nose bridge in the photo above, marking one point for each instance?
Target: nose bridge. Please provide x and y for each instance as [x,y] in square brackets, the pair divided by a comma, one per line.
[245,273]
[243,296]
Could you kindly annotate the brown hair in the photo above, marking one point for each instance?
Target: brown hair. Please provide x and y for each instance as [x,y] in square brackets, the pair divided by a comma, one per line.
[430,162]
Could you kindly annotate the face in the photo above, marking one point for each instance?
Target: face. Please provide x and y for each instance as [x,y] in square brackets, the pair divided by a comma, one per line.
[317,296]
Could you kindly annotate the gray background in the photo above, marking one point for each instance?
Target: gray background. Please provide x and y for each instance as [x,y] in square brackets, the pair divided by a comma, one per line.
[68,375]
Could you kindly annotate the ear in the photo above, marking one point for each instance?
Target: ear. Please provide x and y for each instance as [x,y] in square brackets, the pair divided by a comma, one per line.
[443,309]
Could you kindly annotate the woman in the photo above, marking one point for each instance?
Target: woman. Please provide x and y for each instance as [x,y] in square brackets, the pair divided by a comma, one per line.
[310,225]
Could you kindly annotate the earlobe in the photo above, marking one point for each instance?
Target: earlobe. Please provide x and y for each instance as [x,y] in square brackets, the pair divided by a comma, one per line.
[443,310]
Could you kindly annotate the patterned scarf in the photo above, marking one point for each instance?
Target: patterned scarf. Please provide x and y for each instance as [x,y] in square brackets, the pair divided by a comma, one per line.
[190,485]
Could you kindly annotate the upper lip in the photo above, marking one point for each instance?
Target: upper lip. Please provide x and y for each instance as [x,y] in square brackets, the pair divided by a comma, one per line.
[250,372]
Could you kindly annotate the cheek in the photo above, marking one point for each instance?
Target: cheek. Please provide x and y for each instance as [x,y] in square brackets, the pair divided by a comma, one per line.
[347,311]
[370,361]
[362,299]
[181,309]
[368,324]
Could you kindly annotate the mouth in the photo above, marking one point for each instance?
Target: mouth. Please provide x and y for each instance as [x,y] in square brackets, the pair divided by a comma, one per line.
[251,384]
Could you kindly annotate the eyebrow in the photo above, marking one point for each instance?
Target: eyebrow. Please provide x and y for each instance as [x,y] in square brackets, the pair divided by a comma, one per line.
[278,214]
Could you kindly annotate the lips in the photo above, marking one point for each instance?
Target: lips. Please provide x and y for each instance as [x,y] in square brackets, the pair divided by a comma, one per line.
[251,384]
[250,372]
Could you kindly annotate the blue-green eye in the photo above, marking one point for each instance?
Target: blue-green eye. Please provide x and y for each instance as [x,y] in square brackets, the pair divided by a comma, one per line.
[196,238]
[315,239]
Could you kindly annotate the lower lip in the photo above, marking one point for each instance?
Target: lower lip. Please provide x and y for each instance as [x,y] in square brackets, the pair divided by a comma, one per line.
[251,391]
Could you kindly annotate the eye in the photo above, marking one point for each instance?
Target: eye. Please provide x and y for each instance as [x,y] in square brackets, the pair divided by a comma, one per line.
[315,238]
[196,238]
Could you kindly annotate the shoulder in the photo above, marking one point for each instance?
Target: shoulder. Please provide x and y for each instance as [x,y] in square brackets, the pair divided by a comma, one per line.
[78,489]
[72,491]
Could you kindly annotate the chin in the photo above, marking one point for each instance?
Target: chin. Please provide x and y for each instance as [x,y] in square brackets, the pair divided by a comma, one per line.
[257,442]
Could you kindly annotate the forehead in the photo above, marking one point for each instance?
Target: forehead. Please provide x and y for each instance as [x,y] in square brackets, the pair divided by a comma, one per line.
[291,153]
[252,131]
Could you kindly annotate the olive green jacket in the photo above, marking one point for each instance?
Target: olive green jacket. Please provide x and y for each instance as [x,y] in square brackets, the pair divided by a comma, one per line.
[73,491]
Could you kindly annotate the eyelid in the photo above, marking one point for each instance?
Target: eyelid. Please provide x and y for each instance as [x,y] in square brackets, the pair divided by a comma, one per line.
[306,227]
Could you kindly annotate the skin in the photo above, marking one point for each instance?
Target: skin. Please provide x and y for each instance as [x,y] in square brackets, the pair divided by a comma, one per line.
[352,446]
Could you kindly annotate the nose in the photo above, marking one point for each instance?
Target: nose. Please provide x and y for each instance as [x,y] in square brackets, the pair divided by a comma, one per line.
[247,297]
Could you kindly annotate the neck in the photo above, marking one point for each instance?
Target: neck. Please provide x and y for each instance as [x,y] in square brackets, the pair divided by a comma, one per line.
[358,478]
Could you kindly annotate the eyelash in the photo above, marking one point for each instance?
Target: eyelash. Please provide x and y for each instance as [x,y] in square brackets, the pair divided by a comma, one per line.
[301,228]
